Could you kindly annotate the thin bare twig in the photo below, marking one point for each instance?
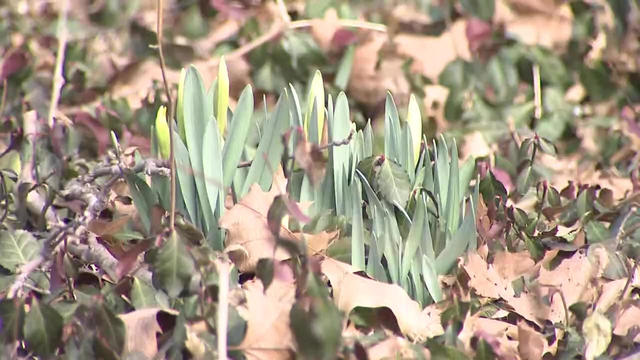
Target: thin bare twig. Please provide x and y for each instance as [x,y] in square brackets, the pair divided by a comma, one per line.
[537,92]
[342,142]
[281,27]
[223,266]
[148,166]
[4,95]
[94,253]
[33,265]
[629,279]
[172,165]
[58,80]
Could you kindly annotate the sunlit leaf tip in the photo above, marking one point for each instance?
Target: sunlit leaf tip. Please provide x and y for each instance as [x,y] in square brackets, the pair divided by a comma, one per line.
[222,96]
[162,132]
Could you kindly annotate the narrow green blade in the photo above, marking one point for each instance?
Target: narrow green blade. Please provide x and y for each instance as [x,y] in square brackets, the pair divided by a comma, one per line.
[238,133]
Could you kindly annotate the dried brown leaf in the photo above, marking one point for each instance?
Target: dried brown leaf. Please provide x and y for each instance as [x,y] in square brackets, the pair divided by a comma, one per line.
[395,347]
[628,323]
[511,265]
[498,334]
[311,160]
[531,344]
[572,277]
[318,243]
[142,327]
[351,291]
[323,29]
[249,237]
[488,282]
[267,313]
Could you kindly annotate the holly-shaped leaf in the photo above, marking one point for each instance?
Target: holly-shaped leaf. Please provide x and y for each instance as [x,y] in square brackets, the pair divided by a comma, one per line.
[172,266]
[391,181]
[17,249]
[42,329]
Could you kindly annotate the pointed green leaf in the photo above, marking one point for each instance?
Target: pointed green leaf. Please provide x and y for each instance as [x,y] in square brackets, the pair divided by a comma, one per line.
[414,119]
[430,276]
[143,295]
[238,134]
[186,180]
[197,113]
[222,96]
[339,128]
[357,227]
[17,249]
[108,329]
[453,207]
[294,107]
[457,245]
[12,315]
[212,164]
[441,172]
[368,140]
[316,95]
[466,174]
[524,180]
[391,182]
[143,199]
[173,267]
[419,229]
[406,152]
[42,329]
[162,132]
[391,130]
[180,106]
[270,148]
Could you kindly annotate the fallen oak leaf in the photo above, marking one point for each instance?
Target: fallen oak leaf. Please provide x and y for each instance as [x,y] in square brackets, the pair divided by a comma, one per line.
[627,323]
[141,329]
[597,331]
[572,278]
[310,158]
[351,290]
[318,243]
[498,334]
[395,347]
[486,281]
[256,227]
[267,313]
[249,232]
[532,345]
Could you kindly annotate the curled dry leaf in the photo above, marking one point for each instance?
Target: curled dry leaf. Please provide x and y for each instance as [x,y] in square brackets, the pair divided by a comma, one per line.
[475,145]
[351,291]
[395,347]
[532,345]
[572,277]
[142,327]
[267,313]
[511,266]
[628,323]
[498,334]
[545,23]
[431,54]
[311,159]
[318,243]
[596,329]
[373,77]
[249,237]
[486,281]
[324,29]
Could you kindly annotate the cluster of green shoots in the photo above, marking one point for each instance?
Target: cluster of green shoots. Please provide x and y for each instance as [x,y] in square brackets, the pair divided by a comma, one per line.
[410,211]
